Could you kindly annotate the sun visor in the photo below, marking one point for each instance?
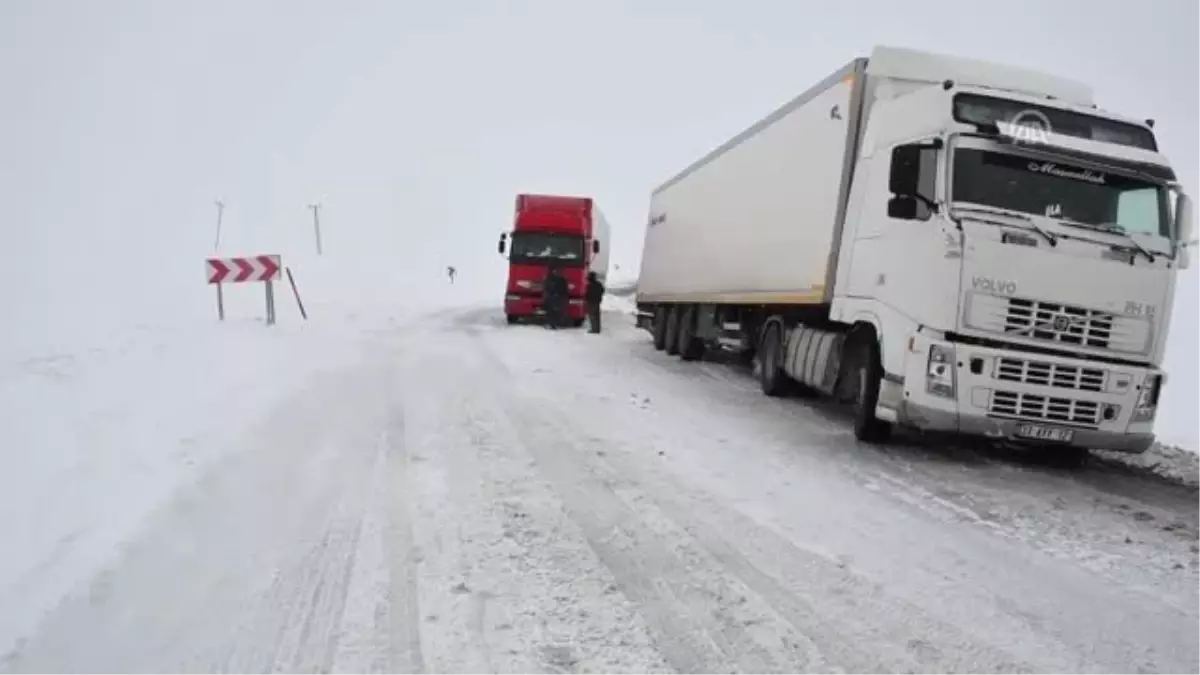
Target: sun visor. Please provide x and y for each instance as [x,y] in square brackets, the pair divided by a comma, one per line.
[1110,154]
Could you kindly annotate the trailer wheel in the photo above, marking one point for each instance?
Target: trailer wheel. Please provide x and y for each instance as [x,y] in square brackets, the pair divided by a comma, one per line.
[770,367]
[660,328]
[690,349]
[869,374]
[672,330]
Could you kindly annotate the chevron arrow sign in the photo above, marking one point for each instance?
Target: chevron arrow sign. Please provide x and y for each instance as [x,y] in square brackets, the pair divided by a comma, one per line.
[240,270]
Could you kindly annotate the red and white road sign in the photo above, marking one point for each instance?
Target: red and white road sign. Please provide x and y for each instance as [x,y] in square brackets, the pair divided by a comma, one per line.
[238,270]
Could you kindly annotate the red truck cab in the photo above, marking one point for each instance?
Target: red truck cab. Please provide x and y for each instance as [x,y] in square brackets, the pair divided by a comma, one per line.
[567,231]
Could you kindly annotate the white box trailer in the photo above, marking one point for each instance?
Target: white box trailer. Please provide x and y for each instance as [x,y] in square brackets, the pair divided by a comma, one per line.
[892,237]
[756,221]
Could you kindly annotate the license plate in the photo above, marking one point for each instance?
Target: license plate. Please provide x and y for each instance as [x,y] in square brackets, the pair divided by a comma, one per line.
[1038,432]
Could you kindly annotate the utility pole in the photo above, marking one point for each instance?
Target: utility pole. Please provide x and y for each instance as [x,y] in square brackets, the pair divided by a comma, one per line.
[220,212]
[316,208]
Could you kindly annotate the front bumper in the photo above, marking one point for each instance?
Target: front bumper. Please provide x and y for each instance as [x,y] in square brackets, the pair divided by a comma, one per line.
[525,306]
[1006,395]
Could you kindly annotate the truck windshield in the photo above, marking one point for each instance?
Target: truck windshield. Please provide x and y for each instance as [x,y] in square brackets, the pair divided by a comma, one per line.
[539,249]
[1059,190]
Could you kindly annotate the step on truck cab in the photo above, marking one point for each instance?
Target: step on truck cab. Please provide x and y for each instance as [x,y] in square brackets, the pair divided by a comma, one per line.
[570,232]
[948,244]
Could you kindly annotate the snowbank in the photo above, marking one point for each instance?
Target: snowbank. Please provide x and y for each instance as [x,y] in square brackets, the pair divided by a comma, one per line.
[1172,462]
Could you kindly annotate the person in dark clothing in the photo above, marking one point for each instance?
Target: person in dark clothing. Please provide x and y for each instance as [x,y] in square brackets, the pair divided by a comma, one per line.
[554,297]
[595,293]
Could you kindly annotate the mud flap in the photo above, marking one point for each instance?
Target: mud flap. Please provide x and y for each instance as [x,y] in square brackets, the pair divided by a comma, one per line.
[891,398]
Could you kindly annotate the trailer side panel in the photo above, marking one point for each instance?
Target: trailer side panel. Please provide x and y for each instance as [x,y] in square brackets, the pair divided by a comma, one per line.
[758,219]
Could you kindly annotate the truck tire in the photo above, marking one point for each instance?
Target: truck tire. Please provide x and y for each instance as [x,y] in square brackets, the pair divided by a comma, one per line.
[672,331]
[869,374]
[660,327]
[690,348]
[771,375]
[511,319]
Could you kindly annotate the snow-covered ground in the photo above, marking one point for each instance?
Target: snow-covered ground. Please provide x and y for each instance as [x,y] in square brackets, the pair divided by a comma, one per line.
[104,421]
[404,483]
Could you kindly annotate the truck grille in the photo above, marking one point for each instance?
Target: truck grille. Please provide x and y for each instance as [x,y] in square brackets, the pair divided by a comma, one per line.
[1058,322]
[1044,374]
[1044,408]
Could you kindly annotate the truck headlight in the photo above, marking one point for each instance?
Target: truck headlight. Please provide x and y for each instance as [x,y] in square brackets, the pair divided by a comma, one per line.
[1147,401]
[939,373]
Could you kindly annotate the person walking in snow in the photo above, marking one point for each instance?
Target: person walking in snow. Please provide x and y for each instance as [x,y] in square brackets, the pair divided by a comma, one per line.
[554,297]
[594,294]
[450,272]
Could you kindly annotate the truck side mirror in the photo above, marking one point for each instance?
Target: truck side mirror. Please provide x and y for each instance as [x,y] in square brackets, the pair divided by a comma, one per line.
[1185,224]
[902,207]
[500,246]
[905,171]
[595,246]
[1185,228]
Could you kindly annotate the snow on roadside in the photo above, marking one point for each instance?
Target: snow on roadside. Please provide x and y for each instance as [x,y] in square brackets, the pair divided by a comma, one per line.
[95,439]
[1171,462]
[104,421]
[621,297]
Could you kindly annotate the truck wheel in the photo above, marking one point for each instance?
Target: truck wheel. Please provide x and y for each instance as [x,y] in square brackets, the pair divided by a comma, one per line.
[690,349]
[660,328]
[512,319]
[869,374]
[672,331]
[770,367]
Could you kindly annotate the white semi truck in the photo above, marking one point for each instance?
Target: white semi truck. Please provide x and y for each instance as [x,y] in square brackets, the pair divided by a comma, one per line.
[950,245]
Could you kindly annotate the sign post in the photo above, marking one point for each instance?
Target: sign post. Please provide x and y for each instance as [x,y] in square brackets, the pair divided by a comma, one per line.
[292,281]
[270,304]
[264,268]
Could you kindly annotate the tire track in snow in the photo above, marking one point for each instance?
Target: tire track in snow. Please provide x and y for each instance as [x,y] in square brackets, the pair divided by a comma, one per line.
[379,629]
[829,631]
[684,608]
[404,620]
[508,582]
[703,618]
[297,623]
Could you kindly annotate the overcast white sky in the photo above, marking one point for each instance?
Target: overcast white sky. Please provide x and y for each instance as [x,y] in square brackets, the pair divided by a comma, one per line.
[416,123]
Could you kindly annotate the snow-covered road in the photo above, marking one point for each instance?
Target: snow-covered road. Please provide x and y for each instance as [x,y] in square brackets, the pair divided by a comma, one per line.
[467,496]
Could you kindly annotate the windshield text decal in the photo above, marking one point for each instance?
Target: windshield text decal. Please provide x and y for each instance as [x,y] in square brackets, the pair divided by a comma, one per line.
[1064,172]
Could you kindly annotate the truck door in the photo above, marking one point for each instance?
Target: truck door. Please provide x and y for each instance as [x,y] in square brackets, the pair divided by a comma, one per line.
[906,252]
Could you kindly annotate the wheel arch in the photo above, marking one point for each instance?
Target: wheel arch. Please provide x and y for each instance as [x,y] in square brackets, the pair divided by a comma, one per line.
[774,321]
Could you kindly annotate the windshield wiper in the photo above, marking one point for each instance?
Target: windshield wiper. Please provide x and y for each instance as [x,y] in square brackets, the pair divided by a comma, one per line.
[1012,214]
[1111,228]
